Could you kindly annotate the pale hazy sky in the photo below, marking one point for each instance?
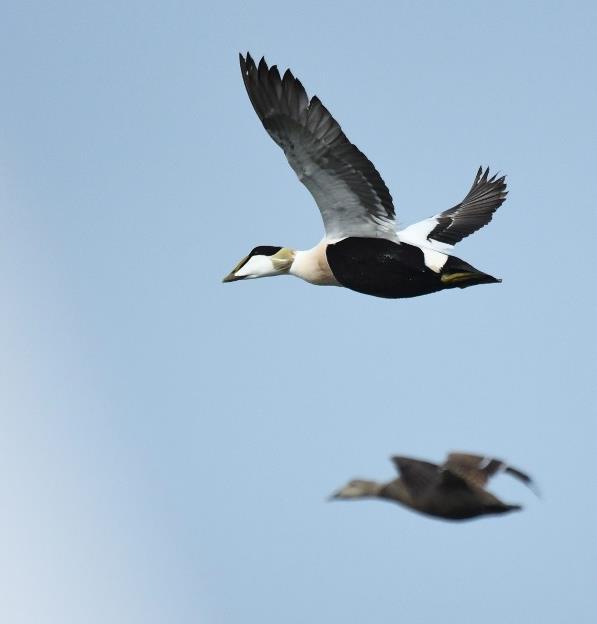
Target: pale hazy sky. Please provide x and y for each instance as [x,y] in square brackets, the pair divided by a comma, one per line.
[167,442]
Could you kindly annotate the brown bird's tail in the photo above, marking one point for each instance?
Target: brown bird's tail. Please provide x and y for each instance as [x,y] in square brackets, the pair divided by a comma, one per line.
[501,508]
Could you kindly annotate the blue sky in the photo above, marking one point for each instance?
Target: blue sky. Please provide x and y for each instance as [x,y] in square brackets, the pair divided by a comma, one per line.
[167,441]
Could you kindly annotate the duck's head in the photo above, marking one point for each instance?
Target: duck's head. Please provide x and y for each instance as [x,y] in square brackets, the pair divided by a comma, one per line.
[357,488]
[263,261]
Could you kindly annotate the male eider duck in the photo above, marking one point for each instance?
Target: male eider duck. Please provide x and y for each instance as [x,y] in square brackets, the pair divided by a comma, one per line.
[361,249]
[453,491]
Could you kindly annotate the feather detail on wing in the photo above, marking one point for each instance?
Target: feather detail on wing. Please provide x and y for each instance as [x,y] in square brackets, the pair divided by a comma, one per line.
[350,193]
[417,475]
[442,231]
[422,477]
[478,469]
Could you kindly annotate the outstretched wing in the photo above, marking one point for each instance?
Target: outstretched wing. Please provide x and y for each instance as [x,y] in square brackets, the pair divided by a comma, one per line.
[417,475]
[350,193]
[422,477]
[444,230]
[479,470]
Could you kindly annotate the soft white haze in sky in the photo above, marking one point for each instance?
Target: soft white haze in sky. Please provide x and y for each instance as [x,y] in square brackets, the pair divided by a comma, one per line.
[167,442]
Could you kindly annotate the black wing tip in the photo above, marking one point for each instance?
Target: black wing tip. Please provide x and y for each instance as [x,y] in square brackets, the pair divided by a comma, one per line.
[262,70]
[397,460]
[288,76]
[482,178]
[247,62]
[525,478]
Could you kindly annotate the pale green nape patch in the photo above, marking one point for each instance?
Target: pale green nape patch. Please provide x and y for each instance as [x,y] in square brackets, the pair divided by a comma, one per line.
[283,259]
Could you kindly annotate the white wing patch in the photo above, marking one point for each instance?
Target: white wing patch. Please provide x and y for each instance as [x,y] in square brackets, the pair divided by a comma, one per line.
[435,252]
[417,233]
[434,260]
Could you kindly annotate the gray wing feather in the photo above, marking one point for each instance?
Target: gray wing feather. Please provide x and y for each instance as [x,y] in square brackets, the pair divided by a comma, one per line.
[473,212]
[444,230]
[350,193]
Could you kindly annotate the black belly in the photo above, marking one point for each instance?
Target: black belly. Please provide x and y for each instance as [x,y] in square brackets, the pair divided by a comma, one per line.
[379,267]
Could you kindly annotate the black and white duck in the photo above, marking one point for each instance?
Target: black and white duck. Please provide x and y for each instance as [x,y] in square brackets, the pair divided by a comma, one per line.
[361,249]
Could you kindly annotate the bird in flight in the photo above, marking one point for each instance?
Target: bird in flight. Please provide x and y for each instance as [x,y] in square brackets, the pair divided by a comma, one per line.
[454,490]
[362,249]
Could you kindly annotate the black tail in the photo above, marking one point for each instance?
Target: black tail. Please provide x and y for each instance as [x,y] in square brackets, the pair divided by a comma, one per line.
[500,508]
[457,273]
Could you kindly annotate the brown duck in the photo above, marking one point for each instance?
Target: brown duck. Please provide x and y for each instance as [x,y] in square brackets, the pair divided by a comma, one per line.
[454,490]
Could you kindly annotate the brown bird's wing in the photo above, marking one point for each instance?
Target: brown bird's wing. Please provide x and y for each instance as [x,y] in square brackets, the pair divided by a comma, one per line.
[478,469]
[351,195]
[417,475]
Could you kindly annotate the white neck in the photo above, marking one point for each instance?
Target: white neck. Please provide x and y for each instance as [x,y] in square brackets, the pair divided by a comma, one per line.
[312,266]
